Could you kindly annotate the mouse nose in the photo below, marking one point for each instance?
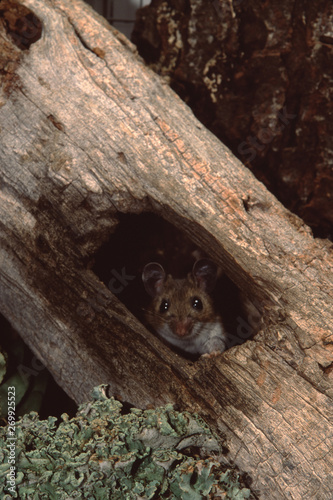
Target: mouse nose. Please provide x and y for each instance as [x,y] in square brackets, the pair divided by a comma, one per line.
[183,327]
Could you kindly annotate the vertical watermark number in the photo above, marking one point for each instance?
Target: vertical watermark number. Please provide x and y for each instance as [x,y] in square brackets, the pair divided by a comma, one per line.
[11,441]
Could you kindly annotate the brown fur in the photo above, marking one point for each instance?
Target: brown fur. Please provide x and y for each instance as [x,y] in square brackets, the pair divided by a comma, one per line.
[179,294]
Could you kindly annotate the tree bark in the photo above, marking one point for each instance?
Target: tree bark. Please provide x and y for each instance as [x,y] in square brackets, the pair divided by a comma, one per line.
[258,75]
[88,132]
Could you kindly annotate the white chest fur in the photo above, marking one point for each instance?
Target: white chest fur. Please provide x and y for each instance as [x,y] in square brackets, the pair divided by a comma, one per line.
[203,339]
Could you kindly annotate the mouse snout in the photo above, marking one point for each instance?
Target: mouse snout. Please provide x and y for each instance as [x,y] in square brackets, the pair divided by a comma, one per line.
[183,327]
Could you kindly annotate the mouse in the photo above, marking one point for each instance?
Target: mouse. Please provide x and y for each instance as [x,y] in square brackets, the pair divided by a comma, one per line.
[182,312]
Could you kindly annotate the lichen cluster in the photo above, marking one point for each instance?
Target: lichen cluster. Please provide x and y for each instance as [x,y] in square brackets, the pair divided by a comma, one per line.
[106,453]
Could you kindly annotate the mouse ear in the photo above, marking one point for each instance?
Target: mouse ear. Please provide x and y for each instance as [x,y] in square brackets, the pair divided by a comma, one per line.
[153,277]
[204,273]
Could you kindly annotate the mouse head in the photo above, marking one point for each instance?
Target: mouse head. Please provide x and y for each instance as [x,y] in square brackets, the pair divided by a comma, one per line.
[178,304]
[203,276]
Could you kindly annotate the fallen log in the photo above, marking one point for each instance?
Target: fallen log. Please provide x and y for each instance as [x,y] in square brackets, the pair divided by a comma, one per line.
[88,133]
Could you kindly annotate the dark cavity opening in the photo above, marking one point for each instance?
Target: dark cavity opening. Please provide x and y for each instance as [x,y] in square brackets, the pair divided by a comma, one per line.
[22,26]
[144,238]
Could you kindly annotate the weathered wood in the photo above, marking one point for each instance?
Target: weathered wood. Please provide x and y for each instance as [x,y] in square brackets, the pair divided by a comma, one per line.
[87,132]
[257,75]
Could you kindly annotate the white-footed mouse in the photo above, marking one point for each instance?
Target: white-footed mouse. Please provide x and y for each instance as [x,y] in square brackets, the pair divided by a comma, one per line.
[182,312]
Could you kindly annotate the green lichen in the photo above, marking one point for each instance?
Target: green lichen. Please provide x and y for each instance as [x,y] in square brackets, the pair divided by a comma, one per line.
[102,453]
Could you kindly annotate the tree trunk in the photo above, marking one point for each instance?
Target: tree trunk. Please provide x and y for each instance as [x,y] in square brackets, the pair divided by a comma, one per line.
[258,75]
[87,133]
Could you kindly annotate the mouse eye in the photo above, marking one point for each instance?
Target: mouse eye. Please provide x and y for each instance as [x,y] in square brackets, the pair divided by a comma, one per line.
[197,303]
[164,306]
